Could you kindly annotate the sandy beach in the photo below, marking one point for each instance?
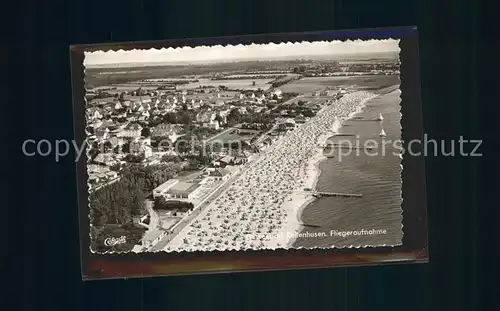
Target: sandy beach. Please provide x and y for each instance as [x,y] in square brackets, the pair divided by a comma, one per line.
[301,201]
[261,210]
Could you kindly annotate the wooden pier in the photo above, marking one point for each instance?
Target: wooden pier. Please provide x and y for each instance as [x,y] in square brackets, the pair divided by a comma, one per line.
[331,194]
[344,135]
[309,225]
[364,120]
[345,147]
[336,194]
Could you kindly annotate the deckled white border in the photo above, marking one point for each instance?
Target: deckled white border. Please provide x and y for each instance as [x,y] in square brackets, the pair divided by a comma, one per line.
[288,43]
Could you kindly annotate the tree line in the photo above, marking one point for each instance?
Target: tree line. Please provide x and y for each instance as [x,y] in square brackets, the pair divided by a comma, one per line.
[120,202]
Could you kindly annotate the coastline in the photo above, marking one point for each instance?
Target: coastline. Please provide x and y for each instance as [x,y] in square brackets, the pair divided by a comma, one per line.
[300,202]
[273,219]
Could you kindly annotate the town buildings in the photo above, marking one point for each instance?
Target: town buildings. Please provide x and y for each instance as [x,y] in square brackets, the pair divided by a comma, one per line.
[170,131]
[219,174]
[132,130]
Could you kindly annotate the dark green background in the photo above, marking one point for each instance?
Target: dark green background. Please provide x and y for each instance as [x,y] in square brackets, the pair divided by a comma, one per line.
[47,270]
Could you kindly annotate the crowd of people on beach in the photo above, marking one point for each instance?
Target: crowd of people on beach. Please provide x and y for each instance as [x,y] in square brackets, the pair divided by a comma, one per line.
[253,209]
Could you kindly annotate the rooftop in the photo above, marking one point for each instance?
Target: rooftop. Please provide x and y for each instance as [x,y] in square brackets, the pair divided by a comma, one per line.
[104,157]
[227,159]
[133,127]
[169,183]
[97,168]
[183,187]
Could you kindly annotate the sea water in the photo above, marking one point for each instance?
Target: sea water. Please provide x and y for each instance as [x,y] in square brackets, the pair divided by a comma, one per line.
[377,178]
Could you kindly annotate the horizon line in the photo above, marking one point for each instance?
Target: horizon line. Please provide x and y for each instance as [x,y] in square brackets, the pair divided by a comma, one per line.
[278,58]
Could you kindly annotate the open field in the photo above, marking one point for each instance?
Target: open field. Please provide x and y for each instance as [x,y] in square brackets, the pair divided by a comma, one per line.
[131,87]
[250,75]
[239,84]
[160,80]
[312,84]
[102,76]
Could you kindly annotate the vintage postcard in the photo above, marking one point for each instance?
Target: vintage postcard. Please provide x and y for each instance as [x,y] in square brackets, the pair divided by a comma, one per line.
[244,147]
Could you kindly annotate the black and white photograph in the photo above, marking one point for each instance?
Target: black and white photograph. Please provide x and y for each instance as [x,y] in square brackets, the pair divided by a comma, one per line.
[295,145]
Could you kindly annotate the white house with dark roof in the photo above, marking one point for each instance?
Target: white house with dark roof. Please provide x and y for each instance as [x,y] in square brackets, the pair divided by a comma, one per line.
[93,114]
[132,130]
[105,159]
[219,174]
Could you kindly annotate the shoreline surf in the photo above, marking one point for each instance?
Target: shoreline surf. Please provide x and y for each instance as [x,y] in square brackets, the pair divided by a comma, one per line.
[316,161]
[314,173]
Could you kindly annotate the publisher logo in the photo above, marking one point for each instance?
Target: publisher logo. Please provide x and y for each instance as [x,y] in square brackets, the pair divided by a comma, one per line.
[115,241]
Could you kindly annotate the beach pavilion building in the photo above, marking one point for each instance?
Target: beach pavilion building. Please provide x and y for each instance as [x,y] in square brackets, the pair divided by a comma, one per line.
[176,190]
[161,190]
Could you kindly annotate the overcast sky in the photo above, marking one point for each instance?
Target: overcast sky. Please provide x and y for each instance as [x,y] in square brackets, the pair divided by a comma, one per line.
[238,52]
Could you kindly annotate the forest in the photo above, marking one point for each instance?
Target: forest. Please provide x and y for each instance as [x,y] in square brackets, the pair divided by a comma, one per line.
[118,203]
[114,207]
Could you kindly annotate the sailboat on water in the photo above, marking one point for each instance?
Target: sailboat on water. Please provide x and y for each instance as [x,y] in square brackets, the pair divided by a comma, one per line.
[336,125]
[382,133]
[380,118]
